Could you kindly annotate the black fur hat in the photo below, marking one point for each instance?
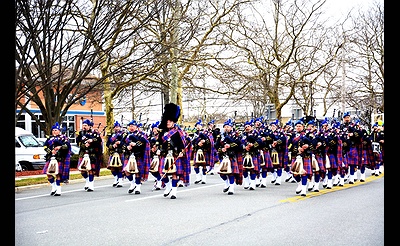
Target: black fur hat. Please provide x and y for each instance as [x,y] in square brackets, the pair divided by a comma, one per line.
[171,112]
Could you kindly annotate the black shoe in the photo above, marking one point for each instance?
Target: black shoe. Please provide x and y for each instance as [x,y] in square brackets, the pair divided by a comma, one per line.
[263,186]
[288,179]
[115,184]
[362,180]
[130,191]
[86,187]
[137,192]
[57,194]
[251,188]
[351,182]
[165,195]
[173,197]
[303,195]
[119,185]
[52,193]
[273,181]
[230,193]
[277,184]
[88,190]
[197,181]
[293,181]
[225,189]
[203,182]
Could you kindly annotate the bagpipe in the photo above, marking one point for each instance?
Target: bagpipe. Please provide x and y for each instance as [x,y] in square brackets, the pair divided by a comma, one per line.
[133,138]
[56,142]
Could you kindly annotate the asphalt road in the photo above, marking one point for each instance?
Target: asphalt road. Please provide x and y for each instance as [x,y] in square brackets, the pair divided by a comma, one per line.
[201,215]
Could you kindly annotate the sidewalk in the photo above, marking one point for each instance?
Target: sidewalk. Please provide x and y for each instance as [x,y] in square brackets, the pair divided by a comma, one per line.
[46,184]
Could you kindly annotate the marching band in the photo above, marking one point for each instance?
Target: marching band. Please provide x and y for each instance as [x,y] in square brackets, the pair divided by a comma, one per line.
[310,153]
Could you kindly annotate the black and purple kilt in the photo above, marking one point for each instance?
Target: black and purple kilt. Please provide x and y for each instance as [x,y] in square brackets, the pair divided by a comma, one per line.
[306,165]
[352,156]
[63,167]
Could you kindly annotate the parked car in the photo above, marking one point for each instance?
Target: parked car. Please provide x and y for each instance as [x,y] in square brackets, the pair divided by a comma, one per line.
[74,156]
[41,140]
[29,152]
[18,167]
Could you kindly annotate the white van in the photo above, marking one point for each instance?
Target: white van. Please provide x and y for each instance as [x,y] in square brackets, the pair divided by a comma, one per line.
[29,152]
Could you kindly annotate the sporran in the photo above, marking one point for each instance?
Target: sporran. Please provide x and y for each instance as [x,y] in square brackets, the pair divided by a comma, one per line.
[52,169]
[131,166]
[85,164]
[225,166]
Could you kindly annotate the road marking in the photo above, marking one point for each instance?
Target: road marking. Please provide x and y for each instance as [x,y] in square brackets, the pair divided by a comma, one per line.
[334,188]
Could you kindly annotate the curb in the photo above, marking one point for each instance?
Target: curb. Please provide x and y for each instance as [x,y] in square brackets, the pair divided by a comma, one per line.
[27,187]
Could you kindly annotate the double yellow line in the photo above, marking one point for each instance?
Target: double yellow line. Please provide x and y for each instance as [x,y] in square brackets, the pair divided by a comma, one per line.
[334,188]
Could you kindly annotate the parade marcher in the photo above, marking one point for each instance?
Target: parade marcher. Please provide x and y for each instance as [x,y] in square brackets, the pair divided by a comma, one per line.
[172,150]
[188,154]
[288,131]
[58,149]
[318,156]
[203,155]
[374,152]
[381,141]
[90,153]
[266,136]
[299,146]
[279,145]
[352,136]
[212,134]
[251,144]
[334,158]
[116,148]
[155,167]
[137,157]
[229,146]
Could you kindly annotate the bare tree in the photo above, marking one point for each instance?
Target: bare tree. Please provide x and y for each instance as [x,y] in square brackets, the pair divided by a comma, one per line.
[185,31]
[283,53]
[60,44]
[54,60]
[365,90]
